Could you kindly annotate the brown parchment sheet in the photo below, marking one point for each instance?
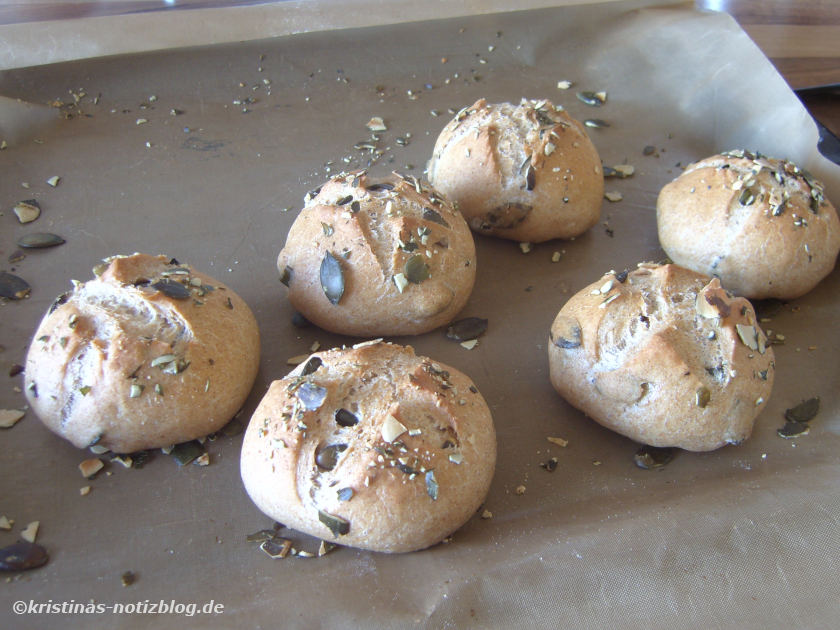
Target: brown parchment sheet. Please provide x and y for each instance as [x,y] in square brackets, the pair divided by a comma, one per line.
[745,536]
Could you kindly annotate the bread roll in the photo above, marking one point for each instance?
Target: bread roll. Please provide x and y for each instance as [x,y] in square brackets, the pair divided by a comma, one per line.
[664,356]
[378,257]
[147,354]
[525,172]
[371,447]
[761,225]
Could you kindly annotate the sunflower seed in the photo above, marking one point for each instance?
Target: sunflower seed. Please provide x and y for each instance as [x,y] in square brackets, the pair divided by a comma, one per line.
[590,98]
[332,278]
[392,429]
[702,397]
[21,556]
[596,123]
[39,240]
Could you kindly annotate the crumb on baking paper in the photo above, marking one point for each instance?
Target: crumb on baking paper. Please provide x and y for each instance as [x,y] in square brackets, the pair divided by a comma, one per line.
[6,523]
[486,514]
[558,441]
[30,532]
[128,578]
[84,491]
[520,490]
[90,467]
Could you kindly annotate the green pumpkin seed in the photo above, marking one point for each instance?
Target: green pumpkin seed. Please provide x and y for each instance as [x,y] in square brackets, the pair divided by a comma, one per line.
[416,270]
[332,278]
[650,457]
[434,217]
[804,411]
[186,452]
[466,329]
[346,418]
[172,289]
[13,287]
[345,494]
[337,525]
[39,240]
[327,457]
[311,366]
[311,396]
[432,485]
[793,429]
[261,536]
[747,197]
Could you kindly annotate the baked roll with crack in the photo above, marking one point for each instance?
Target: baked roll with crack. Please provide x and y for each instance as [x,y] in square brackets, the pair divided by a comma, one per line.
[378,257]
[371,447]
[664,356]
[526,172]
[761,225]
[147,354]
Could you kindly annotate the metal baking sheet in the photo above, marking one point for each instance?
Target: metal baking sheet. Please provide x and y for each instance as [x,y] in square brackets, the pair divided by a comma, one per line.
[743,536]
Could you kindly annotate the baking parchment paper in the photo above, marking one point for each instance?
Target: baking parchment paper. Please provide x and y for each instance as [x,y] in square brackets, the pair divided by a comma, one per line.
[744,536]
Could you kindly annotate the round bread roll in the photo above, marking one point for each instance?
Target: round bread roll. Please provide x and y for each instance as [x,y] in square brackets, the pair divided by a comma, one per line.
[761,225]
[378,257]
[664,356]
[147,354]
[371,447]
[526,172]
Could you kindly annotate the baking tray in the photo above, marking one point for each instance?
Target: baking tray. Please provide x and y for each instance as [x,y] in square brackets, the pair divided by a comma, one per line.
[744,536]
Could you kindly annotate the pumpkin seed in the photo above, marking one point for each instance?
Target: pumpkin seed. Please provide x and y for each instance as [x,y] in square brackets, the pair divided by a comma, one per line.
[327,457]
[337,525]
[286,275]
[804,411]
[467,329]
[596,123]
[186,452]
[431,485]
[793,429]
[27,210]
[747,197]
[22,556]
[416,270]
[261,536]
[434,217]
[172,289]
[311,366]
[650,457]
[345,494]
[13,287]
[346,418]
[332,278]
[311,396]
[277,547]
[39,240]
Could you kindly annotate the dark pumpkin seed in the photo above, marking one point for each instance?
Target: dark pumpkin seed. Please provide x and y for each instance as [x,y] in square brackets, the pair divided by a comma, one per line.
[345,494]
[21,556]
[327,457]
[139,459]
[431,485]
[61,299]
[13,287]
[434,217]
[416,270]
[346,418]
[596,123]
[311,396]
[286,275]
[467,329]
[299,321]
[793,429]
[172,289]
[380,187]
[332,278]
[804,411]
[747,197]
[186,452]
[649,150]
[261,536]
[337,525]
[311,366]
[650,457]
[39,240]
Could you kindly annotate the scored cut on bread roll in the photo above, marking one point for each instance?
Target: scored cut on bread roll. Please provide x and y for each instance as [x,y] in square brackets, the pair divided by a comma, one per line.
[664,356]
[149,353]
[371,257]
[371,447]
[526,172]
[761,225]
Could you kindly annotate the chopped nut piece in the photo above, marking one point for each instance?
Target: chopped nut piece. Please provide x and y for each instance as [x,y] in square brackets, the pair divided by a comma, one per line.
[556,256]
[203,459]
[90,467]
[297,359]
[376,124]
[525,247]
[10,417]
[27,211]
[520,490]
[84,491]
[564,85]
[469,345]
[30,532]
[392,428]
[613,196]
[128,578]
[5,523]
[53,181]
[486,514]
[558,441]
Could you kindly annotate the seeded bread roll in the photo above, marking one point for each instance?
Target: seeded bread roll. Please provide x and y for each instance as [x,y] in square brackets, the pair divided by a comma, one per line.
[664,356]
[371,447]
[525,172]
[761,225]
[378,257]
[147,354]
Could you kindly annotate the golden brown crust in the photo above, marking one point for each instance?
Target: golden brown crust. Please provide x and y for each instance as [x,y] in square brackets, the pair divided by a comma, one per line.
[396,449]
[761,225]
[664,356]
[147,354]
[526,172]
[403,257]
